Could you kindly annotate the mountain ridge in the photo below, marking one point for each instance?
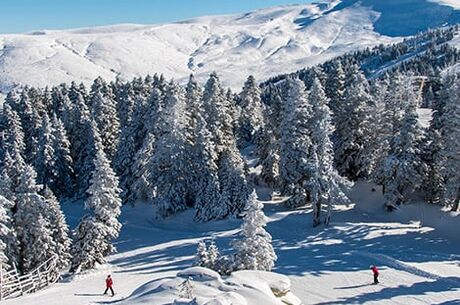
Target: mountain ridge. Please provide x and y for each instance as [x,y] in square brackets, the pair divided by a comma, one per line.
[264,42]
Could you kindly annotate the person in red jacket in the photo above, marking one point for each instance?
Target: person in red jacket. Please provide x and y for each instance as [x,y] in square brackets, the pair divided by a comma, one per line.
[108,285]
[375,271]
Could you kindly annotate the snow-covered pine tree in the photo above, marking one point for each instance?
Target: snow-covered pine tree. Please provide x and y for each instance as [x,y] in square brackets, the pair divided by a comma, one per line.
[213,256]
[63,185]
[8,240]
[335,87]
[170,167]
[44,157]
[352,136]
[233,184]
[295,143]
[96,231]
[202,255]
[325,186]
[105,114]
[12,148]
[186,289]
[205,182]
[450,132]
[251,118]
[32,228]
[268,149]
[85,166]
[217,114]
[404,169]
[131,139]
[253,249]
[59,228]
[138,185]
[31,121]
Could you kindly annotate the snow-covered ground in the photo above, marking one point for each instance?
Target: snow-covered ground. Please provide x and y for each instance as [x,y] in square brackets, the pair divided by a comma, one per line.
[419,256]
[264,43]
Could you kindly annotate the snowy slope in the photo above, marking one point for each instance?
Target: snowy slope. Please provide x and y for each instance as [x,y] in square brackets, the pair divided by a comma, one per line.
[419,256]
[264,43]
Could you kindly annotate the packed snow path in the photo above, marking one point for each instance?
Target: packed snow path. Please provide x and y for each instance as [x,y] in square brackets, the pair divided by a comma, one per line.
[420,264]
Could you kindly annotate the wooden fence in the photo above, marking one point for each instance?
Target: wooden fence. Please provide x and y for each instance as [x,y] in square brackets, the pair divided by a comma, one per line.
[12,284]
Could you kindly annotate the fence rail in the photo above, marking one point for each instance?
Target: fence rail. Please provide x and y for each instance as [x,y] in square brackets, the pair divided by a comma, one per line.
[13,285]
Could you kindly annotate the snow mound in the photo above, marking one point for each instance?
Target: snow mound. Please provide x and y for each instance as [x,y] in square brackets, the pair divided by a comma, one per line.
[199,273]
[208,288]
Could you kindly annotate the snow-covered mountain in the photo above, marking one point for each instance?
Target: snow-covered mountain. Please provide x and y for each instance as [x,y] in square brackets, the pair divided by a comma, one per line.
[264,42]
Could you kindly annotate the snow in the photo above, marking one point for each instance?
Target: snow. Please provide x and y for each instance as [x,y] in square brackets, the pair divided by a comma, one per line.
[453,3]
[418,256]
[265,43]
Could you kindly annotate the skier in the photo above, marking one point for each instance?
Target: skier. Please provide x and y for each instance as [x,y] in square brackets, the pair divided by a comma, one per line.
[108,285]
[375,271]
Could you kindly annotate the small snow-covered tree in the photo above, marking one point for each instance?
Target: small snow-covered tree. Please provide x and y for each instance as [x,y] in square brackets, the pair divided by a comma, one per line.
[254,250]
[202,255]
[213,256]
[95,233]
[186,289]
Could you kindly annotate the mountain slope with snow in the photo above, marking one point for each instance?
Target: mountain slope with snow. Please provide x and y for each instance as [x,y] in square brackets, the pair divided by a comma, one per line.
[264,43]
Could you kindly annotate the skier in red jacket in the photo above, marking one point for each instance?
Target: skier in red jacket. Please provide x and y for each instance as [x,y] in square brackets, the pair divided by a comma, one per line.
[108,285]
[375,271]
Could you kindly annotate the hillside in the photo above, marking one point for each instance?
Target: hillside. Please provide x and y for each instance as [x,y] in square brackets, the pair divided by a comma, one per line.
[418,256]
[265,43]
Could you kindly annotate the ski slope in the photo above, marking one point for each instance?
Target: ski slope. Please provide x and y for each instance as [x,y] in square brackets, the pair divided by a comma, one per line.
[264,43]
[418,256]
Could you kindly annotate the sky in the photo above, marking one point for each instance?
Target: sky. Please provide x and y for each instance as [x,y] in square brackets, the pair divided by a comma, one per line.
[19,16]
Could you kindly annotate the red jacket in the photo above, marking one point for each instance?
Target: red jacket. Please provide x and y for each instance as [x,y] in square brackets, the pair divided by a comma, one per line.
[375,270]
[109,282]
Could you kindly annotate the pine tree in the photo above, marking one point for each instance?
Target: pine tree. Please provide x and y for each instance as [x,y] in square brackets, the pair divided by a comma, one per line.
[8,239]
[12,148]
[254,250]
[325,185]
[59,228]
[404,168]
[234,187]
[295,143]
[450,132]
[63,184]
[217,114]
[213,256]
[44,158]
[105,114]
[202,255]
[33,229]
[95,232]
[251,118]
[169,168]
[352,136]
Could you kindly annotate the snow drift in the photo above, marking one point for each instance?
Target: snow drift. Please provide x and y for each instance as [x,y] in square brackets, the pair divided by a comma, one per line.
[241,288]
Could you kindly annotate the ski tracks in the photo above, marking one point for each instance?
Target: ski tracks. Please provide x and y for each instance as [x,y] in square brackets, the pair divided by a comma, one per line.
[398,265]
